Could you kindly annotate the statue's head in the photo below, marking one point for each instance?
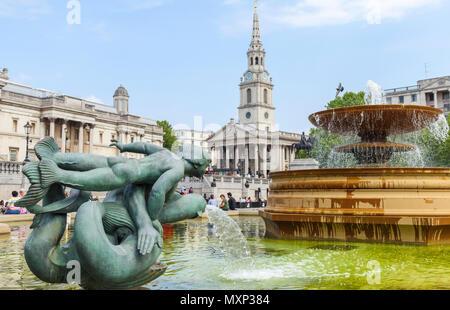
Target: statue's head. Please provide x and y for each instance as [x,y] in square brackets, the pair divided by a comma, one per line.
[197,159]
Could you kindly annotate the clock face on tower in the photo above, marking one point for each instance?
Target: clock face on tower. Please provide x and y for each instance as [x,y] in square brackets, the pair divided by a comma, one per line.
[266,115]
[249,75]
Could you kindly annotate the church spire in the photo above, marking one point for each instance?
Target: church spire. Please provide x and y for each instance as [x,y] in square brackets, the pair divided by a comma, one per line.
[256,43]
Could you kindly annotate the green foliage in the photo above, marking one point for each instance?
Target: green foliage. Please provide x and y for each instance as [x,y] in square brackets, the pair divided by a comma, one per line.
[349,99]
[169,137]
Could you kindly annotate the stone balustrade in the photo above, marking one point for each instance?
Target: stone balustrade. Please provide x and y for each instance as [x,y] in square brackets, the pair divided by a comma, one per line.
[10,168]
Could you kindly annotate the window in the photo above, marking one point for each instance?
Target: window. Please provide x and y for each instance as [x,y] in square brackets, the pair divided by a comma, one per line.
[249,95]
[265,96]
[401,99]
[101,138]
[132,139]
[33,128]
[414,98]
[389,100]
[14,125]
[13,154]
[431,97]
[251,61]
[446,96]
[256,61]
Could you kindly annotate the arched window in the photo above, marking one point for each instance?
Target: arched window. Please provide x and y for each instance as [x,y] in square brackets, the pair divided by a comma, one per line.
[256,60]
[251,61]
[262,61]
[265,96]
[249,95]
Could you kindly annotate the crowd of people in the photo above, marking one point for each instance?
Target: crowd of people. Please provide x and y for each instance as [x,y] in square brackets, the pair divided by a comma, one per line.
[8,207]
[230,202]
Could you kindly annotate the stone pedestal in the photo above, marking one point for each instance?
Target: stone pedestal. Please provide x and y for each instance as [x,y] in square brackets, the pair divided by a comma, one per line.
[304,164]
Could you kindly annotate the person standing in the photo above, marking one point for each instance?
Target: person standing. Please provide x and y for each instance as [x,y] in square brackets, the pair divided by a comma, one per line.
[191,190]
[231,201]
[224,203]
[2,207]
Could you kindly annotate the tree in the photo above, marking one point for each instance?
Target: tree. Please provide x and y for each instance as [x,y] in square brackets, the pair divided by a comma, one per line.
[169,137]
[349,99]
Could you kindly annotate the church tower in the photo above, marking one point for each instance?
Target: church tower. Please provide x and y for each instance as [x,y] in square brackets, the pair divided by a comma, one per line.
[256,108]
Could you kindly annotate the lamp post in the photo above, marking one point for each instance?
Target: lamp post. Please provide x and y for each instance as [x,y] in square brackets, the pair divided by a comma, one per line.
[27,132]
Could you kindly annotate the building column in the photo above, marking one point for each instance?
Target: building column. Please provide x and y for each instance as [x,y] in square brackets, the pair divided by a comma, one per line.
[91,138]
[236,156]
[256,159]
[81,138]
[246,159]
[227,157]
[264,159]
[435,94]
[52,127]
[219,151]
[43,127]
[63,135]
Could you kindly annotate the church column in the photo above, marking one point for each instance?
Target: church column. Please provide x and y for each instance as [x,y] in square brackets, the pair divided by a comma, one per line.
[264,159]
[52,127]
[236,156]
[256,158]
[246,159]
[63,135]
[227,157]
[81,138]
[219,151]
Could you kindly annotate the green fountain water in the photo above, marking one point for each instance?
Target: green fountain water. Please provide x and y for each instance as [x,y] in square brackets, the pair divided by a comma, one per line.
[196,260]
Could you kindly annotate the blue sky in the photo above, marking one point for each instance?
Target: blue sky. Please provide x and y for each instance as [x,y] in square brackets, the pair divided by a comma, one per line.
[183,58]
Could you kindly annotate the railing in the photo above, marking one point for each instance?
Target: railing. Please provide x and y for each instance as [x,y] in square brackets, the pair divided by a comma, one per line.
[10,167]
[401,89]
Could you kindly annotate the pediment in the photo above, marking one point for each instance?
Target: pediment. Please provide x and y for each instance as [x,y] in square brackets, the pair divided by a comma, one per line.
[438,83]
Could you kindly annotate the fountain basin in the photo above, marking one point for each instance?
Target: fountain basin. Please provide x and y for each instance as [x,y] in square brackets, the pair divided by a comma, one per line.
[390,205]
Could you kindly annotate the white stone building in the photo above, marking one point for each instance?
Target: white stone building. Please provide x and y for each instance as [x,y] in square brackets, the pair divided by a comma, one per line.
[254,144]
[78,125]
[193,137]
[434,92]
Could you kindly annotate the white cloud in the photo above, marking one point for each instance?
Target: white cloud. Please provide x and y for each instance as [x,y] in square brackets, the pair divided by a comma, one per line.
[315,13]
[24,9]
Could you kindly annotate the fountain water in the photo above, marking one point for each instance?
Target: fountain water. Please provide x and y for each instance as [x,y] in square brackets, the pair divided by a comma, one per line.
[375,201]
[231,239]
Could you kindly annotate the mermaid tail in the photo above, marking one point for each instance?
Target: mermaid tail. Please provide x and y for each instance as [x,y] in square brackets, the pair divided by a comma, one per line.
[41,175]
[46,148]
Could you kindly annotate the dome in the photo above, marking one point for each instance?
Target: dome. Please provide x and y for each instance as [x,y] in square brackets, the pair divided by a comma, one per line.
[121,91]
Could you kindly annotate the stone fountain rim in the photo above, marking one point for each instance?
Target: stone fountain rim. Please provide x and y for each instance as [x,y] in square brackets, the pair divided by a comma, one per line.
[384,107]
[379,171]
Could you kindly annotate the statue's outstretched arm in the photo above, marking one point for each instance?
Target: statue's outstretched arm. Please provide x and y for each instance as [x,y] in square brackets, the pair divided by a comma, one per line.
[166,182]
[137,147]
